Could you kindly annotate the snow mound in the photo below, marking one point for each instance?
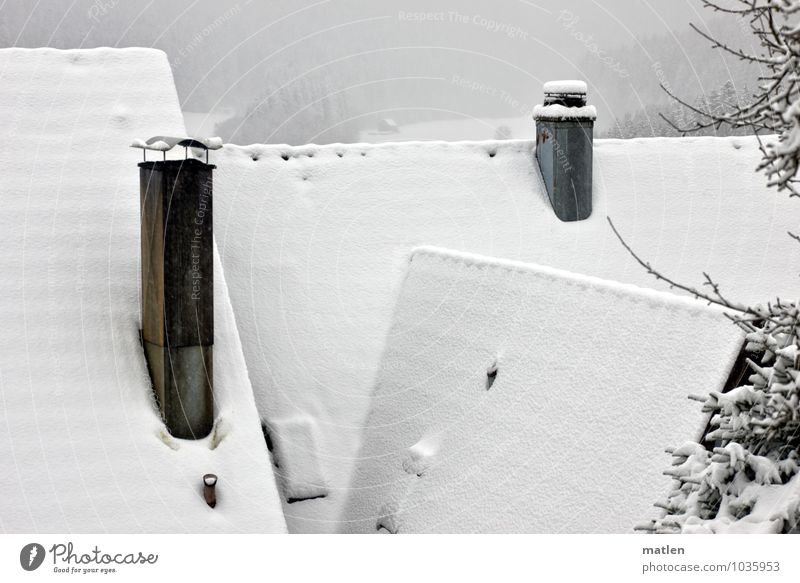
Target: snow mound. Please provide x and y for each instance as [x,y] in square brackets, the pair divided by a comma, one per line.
[591,387]
[82,445]
[571,86]
[421,456]
[315,239]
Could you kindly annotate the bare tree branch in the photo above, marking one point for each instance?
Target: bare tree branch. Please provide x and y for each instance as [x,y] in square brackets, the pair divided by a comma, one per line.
[745,316]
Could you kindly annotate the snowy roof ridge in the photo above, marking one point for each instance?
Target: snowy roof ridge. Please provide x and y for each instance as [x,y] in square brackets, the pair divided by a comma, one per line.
[698,307]
[518,145]
[95,51]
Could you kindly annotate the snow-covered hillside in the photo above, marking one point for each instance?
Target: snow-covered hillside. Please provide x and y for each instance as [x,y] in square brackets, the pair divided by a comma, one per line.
[82,447]
[315,241]
[515,398]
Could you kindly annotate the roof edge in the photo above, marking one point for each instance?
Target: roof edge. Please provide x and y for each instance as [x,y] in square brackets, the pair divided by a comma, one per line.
[658,296]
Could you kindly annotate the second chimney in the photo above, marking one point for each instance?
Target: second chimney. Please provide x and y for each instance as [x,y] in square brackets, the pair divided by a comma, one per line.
[564,137]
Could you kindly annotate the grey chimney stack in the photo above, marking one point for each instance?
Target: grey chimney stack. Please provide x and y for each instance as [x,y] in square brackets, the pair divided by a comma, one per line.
[178,285]
[564,138]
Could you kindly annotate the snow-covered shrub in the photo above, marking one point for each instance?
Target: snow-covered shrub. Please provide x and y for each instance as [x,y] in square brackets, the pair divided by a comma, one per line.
[744,478]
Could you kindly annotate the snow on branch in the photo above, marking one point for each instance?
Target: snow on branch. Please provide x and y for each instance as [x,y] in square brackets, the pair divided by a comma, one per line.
[775,107]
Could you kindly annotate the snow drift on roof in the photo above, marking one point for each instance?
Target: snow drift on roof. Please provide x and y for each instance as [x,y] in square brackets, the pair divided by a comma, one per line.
[81,444]
[515,398]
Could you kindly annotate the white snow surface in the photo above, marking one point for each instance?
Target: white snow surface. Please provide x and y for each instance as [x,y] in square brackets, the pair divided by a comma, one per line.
[315,240]
[591,387]
[566,86]
[82,446]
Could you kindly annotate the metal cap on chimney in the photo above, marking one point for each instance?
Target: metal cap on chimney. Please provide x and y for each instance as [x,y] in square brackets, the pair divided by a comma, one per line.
[566,93]
[564,139]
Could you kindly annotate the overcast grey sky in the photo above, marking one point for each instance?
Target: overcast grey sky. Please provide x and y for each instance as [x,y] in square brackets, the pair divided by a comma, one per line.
[551,33]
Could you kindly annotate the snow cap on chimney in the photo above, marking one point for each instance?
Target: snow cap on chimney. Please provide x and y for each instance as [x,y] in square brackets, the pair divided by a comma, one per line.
[565,100]
[568,90]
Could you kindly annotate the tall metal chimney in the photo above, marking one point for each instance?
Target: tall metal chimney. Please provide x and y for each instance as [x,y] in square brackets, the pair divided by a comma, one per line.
[564,137]
[178,284]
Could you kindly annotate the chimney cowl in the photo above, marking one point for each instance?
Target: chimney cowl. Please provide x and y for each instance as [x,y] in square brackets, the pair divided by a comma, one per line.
[566,93]
[564,100]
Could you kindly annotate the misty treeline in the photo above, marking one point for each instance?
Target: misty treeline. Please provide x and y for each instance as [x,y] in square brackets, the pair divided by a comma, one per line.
[672,119]
[632,93]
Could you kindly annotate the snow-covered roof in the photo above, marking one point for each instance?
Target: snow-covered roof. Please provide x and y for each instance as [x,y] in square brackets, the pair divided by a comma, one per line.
[315,241]
[81,441]
[588,386]
[315,244]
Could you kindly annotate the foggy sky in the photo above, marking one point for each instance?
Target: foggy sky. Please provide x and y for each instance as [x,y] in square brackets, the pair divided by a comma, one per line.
[550,47]
[226,52]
